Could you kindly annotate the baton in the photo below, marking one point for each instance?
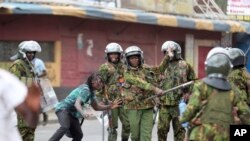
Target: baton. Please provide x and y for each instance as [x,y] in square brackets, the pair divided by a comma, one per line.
[172,89]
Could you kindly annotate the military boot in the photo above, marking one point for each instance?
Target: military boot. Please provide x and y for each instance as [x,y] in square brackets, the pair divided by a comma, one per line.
[124,139]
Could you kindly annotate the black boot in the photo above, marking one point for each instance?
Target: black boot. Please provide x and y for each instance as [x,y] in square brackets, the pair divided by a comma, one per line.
[45,119]
[124,139]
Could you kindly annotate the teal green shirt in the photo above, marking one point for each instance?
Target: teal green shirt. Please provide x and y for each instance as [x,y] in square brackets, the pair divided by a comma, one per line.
[68,103]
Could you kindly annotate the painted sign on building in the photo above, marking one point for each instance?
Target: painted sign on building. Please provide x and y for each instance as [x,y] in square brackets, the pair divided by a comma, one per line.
[239,9]
[183,7]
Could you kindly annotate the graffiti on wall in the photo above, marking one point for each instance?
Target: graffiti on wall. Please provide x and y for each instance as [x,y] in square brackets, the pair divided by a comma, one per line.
[90,46]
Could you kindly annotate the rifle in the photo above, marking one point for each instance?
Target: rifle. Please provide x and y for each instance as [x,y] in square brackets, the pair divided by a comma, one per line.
[172,89]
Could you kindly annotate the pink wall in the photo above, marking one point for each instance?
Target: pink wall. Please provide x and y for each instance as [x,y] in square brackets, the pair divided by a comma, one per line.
[76,64]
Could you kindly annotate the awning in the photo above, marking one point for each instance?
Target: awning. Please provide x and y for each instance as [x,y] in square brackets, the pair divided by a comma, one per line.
[136,16]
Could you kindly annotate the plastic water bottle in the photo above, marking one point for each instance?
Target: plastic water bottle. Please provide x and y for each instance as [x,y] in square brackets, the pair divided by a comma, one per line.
[182,107]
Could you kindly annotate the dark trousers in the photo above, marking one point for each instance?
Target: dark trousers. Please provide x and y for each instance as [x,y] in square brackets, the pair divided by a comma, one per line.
[67,122]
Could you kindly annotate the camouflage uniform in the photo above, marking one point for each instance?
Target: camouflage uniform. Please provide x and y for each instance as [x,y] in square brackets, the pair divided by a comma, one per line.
[23,71]
[248,85]
[240,78]
[208,124]
[140,112]
[112,75]
[175,73]
[138,87]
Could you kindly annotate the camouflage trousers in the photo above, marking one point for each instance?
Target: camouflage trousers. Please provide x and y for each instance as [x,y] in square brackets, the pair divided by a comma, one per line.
[141,124]
[166,115]
[27,133]
[209,132]
[120,113]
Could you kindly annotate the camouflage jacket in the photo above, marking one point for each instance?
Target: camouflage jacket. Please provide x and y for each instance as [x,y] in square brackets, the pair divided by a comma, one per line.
[172,74]
[138,87]
[199,107]
[112,76]
[176,73]
[23,71]
[240,78]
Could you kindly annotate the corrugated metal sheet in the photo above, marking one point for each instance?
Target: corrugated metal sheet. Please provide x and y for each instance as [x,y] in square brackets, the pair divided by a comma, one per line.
[136,16]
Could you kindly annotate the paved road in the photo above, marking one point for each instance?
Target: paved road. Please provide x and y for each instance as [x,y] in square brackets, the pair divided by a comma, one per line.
[92,130]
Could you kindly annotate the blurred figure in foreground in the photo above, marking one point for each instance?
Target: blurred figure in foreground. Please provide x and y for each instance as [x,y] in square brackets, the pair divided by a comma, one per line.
[14,97]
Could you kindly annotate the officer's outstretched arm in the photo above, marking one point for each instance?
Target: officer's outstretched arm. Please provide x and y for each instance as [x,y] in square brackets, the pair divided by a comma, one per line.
[161,67]
[99,107]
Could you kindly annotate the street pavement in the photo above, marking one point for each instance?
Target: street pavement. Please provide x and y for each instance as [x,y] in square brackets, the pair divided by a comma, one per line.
[92,130]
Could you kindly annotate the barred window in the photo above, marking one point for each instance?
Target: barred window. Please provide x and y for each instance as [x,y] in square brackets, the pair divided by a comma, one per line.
[10,48]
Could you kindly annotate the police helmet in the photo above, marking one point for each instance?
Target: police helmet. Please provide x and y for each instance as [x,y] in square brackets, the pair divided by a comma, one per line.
[131,51]
[176,48]
[217,67]
[113,48]
[237,57]
[217,50]
[29,46]
[26,46]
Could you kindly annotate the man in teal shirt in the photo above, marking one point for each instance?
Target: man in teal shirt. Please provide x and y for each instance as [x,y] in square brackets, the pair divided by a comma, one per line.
[71,109]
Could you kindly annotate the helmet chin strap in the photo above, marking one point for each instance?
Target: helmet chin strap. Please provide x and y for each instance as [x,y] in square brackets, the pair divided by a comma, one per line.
[23,54]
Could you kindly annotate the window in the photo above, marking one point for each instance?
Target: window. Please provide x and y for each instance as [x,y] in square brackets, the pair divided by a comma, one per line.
[10,48]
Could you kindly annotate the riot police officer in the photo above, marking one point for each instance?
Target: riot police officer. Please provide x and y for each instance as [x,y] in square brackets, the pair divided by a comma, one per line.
[209,110]
[138,88]
[23,69]
[111,73]
[239,75]
[176,72]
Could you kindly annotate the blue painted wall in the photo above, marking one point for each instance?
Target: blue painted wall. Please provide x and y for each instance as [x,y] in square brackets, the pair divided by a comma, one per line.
[243,42]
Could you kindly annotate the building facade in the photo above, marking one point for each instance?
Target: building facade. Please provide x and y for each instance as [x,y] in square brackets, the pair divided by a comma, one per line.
[73,41]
